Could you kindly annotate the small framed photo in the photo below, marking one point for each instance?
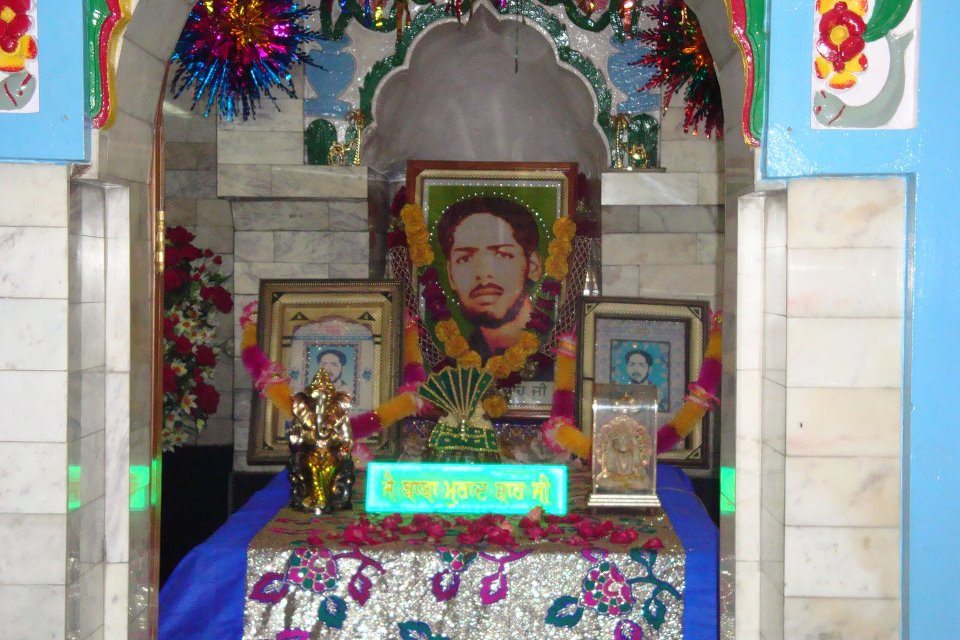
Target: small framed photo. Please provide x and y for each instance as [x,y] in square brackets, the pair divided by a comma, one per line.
[636,341]
[490,227]
[351,328]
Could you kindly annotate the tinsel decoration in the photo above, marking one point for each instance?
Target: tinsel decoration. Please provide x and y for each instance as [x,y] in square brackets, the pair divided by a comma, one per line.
[234,52]
[679,56]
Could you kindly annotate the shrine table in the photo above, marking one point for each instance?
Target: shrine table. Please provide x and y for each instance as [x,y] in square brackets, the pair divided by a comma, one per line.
[274,573]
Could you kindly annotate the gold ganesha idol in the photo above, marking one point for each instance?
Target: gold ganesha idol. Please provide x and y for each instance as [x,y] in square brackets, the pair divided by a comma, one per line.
[321,465]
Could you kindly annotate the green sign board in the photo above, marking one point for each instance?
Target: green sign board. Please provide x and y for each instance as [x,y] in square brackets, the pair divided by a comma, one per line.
[436,487]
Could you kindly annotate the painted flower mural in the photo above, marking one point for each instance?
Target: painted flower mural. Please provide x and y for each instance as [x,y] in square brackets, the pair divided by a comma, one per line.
[840,42]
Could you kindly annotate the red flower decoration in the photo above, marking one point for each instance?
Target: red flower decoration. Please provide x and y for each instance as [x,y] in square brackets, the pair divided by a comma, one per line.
[178,236]
[14,23]
[207,398]
[205,356]
[841,35]
[169,379]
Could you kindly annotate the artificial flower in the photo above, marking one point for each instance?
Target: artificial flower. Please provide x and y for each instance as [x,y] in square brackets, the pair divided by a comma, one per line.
[456,346]
[841,32]
[495,405]
[564,228]
[470,359]
[515,358]
[497,367]
[528,342]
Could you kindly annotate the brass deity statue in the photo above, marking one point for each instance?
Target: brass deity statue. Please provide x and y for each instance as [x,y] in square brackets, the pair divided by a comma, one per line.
[321,442]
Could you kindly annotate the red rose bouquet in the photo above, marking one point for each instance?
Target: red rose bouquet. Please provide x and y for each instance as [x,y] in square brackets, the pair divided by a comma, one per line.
[193,295]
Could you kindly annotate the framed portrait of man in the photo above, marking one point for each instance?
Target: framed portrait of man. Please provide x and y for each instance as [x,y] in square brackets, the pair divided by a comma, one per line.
[490,227]
[350,328]
[661,343]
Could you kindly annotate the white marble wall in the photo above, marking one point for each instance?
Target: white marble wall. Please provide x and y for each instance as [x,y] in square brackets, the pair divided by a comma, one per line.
[819,382]
[190,186]
[663,231]
[34,339]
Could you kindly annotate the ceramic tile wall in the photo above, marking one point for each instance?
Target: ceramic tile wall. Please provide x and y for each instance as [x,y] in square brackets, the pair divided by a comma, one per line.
[34,353]
[190,183]
[845,274]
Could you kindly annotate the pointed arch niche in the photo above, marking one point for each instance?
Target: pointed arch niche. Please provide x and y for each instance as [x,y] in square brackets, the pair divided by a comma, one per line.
[494,88]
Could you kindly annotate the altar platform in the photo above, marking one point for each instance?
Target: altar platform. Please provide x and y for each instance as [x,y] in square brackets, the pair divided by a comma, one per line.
[271,572]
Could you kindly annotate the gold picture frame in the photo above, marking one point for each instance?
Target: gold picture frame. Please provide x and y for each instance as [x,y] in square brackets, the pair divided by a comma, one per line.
[353,328]
[648,341]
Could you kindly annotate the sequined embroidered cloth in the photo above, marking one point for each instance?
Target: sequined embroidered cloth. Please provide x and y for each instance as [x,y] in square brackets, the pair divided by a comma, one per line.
[588,575]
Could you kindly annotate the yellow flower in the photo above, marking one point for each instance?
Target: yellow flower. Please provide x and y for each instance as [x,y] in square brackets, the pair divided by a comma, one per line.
[470,359]
[421,255]
[495,405]
[557,267]
[564,228]
[514,358]
[412,215]
[446,328]
[498,367]
[528,342]
[456,346]
[560,247]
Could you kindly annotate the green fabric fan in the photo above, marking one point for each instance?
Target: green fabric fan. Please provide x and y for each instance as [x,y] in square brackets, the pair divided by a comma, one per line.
[461,435]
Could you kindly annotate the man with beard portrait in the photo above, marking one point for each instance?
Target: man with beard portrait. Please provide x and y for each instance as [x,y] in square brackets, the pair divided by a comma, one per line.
[491,249]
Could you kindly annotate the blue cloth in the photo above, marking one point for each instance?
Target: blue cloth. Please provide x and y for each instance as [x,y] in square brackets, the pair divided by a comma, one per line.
[204,596]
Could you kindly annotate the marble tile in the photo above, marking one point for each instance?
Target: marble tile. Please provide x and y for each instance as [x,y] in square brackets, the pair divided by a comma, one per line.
[862,352]
[139,447]
[181,124]
[218,431]
[241,406]
[92,458]
[34,262]
[771,549]
[92,414]
[217,239]
[620,280]
[34,195]
[117,312]
[771,609]
[846,212]
[710,188]
[842,562]
[774,415]
[349,270]
[90,208]
[33,477]
[92,335]
[242,181]
[679,281]
[652,188]
[247,275]
[679,219]
[843,492]
[91,600]
[127,147]
[696,155]
[276,215]
[116,468]
[625,219]
[776,219]
[34,548]
[319,181]
[142,72]
[775,348]
[650,249]
[85,537]
[775,280]
[831,283]
[32,611]
[844,422]
[181,211]
[348,215]
[773,483]
[88,263]
[709,247]
[30,416]
[847,618]
[748,466]
[333,247]
[115,596]
[214,213]
[750,265]
[191,184]
[144,32]
[748,600]
[259,147]
[253,246]
[181,156]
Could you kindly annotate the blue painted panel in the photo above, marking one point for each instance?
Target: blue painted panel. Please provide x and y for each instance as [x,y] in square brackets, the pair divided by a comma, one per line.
[60,131]
[931,468]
